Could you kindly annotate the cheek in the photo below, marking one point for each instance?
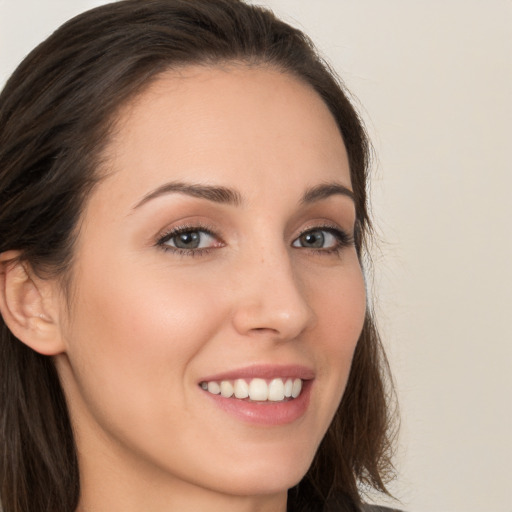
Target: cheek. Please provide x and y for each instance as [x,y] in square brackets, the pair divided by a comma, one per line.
[130,345]
[339,302]
[147,318]
[340,308]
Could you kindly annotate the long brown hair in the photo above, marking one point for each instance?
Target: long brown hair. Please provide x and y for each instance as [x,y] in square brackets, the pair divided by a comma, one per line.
[55,115]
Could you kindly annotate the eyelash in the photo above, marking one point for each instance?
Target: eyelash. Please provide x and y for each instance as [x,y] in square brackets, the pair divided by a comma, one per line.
[343,239]
[173,233]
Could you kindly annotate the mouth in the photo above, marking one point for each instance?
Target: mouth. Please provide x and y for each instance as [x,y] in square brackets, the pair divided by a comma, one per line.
[280,389]
[261,395]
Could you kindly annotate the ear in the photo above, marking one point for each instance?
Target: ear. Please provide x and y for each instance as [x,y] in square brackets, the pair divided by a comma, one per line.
[30,305]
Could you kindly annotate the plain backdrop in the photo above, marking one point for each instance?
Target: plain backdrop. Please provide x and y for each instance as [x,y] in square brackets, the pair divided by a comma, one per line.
[433,80]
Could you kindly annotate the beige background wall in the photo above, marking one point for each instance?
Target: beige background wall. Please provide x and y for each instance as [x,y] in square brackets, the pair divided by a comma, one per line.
[435,79]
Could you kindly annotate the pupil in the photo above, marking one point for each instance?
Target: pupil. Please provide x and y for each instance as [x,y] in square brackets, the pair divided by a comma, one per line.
[315,239]
[187,240]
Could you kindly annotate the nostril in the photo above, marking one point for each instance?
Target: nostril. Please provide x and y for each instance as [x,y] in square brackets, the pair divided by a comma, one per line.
[265,331]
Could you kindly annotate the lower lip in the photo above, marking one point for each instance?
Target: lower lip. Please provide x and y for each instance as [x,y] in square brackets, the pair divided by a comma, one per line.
[265,413]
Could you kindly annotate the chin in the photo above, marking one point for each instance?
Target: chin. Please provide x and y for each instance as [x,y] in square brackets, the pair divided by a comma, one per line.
[272,482]
[265,475]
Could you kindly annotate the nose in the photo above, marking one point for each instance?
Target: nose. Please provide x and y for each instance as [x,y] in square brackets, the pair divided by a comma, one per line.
[271,300]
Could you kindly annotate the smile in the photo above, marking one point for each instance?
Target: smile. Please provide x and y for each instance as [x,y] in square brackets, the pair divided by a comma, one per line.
[256,389]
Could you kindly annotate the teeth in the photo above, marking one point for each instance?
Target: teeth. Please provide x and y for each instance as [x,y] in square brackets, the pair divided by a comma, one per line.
[241,388]
[288,388]
[226,389]
[296,388]
[276,390]
[257,389]
[214,388]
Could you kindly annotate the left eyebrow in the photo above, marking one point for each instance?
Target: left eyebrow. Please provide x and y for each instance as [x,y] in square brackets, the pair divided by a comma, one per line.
[326,190]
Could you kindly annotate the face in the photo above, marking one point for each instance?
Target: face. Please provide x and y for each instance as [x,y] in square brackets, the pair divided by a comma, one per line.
[215,257]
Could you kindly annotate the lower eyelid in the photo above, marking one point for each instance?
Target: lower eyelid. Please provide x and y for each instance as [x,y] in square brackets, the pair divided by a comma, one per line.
[341,236]
[163,239]
[341,239]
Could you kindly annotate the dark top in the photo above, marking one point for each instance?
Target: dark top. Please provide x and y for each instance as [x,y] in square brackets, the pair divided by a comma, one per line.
[378,508]
[338,502]
[364,508]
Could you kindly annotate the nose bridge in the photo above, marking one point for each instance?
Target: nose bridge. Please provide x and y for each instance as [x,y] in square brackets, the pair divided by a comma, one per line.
[271,297]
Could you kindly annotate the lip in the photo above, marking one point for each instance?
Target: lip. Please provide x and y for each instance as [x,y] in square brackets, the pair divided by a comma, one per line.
[263,372]
[263,413]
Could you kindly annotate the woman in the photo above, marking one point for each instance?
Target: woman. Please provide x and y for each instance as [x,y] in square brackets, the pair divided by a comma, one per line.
[182,224]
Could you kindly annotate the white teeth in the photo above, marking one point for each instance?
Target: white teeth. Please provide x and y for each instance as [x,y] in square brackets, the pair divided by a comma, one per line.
[276,390]
[287,388]
[297,388]
[214,388]
[241,388]
[257,389]
[226,389]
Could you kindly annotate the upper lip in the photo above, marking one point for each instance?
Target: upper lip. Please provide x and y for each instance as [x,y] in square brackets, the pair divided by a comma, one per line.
[264,372]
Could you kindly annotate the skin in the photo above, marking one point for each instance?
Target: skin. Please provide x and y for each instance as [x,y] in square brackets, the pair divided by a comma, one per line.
[147,324]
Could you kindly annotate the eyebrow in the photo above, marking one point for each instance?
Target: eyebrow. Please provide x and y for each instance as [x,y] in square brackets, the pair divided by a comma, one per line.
[216,194]
[326,190]
[225,195]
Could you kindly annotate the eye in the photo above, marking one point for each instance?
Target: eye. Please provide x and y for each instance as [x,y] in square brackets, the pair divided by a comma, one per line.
[327,239]
[189,239]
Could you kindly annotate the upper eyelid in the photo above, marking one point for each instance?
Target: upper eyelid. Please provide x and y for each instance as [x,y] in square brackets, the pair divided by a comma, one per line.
[331,227]
[336,230]
[163,238]
[167,233]
[214,232]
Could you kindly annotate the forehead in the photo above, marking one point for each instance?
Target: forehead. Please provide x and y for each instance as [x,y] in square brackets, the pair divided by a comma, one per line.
[222,125]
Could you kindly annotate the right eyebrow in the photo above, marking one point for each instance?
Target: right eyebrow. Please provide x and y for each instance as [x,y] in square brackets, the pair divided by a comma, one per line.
[213,193]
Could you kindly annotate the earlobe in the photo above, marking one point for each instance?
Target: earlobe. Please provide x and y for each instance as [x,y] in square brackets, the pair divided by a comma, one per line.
[28,305]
